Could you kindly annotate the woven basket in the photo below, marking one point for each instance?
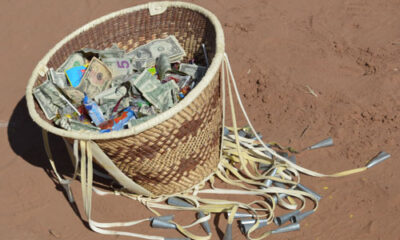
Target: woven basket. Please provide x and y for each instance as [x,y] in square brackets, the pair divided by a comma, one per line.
[180,147]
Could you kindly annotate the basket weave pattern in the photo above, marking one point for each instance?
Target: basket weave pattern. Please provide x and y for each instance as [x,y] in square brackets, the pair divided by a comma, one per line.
[183,150]
[175,155]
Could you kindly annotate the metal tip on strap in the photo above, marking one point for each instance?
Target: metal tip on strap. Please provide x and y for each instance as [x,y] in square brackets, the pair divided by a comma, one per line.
[242,133]
[292,159]
[67,188]
[241,215]
[306,189]
[281,185]
[178,202]
[164,218]
[382,156]
[245,225]
[297,218]
[275,198]
[264,166]
[269,155]
[205,225]
[176,238]
[268,182]
[284,218]
[283,154]
[226,131]
[228,232]
[156,223]
[288,228]
[324,143]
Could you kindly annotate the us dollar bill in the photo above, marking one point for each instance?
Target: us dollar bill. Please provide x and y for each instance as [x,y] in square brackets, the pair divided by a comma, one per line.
[195,71]
[146,55]
[57,78]
[162,96]
[119,66]
[113,52]
[96,79]
[74,94]
[111,95]
[55,96]
[74,60]
[63,122]
[49,109]
[76,125]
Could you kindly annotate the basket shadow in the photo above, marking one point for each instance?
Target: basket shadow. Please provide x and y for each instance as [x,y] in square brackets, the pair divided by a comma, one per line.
[25,139]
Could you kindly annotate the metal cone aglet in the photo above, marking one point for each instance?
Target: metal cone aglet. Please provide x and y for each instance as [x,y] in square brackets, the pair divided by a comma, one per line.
[205,225]
[284,218]
[276,198]
[181,203]
[241,215]
[245,225]
[157,223]
[297,218]
[268,182]
[280,185]
[264,166]
[164,218]
[324,143]
[228,232]
[306,189]
[288,228]
[176,238]
[178,202]
[292,159]
[382,156]
[226,131]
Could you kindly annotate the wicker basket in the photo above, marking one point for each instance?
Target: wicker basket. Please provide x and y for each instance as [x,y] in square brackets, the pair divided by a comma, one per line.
[180,147]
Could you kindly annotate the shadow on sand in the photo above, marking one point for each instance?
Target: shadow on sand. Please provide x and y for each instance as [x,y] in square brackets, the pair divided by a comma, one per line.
[25,139]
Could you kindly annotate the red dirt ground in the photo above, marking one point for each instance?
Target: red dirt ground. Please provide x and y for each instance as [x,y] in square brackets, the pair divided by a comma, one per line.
[347,51]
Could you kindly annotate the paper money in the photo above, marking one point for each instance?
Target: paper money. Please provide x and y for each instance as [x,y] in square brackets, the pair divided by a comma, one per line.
[118,66]
[147,111]
[74,60]
[63,122]
[107,107]
[146,55]
[76,125]
[57,78]
[162,96]
[111,95]
[97,78]
[74,95]
[193,70]
[49,109]
[55,96]
[113,52]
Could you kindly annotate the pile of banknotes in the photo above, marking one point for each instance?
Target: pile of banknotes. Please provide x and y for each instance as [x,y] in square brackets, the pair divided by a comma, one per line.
[111,89]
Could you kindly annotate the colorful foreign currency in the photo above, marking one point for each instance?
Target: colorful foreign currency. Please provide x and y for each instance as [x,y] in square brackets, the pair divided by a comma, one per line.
[103,90]
[75,74]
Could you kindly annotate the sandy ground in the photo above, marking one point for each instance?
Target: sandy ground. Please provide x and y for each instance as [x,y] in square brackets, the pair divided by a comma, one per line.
[347,51]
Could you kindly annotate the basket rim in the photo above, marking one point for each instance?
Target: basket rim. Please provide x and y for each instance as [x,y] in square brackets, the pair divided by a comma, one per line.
[41,69]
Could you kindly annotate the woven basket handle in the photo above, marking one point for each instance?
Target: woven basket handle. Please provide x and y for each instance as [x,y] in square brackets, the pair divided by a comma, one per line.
[156,8]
